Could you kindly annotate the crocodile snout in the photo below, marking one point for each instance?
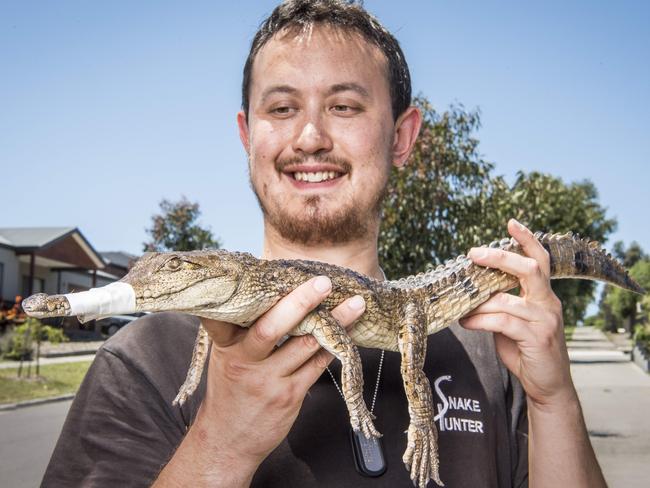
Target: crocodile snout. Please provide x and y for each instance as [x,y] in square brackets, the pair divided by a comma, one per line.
[42,305]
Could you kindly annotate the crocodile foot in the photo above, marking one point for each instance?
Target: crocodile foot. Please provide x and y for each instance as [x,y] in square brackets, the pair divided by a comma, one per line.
[362,420]
[421,456]
[184,392]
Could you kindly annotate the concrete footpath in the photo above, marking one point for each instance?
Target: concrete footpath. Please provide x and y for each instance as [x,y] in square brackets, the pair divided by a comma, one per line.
[65,352]
[615,397]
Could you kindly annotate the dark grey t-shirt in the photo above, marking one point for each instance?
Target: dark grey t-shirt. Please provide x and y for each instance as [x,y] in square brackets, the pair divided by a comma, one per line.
[122,427]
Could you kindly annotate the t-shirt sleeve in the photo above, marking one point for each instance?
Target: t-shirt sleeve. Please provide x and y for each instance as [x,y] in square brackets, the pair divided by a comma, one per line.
[516,400]
[122,428]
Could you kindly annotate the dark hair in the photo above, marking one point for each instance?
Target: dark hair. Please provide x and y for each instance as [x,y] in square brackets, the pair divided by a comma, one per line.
[348,16]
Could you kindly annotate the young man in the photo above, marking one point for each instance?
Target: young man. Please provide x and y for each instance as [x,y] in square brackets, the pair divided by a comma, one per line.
[326,113]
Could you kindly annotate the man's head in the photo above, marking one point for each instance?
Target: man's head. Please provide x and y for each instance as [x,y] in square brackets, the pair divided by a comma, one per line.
[294,17]
[326,113]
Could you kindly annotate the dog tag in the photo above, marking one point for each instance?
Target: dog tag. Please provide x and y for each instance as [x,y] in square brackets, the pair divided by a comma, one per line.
[368,454]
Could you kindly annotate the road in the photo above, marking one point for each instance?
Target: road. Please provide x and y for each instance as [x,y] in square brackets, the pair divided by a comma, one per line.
[28,438]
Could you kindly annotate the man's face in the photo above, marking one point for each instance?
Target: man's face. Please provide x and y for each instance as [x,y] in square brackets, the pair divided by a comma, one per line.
[319,135]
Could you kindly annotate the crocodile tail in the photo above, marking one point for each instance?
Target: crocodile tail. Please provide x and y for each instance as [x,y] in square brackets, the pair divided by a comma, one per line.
[573,257]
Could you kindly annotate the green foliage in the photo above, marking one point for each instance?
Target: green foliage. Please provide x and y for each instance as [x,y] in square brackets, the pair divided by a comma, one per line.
[642,336]
[544,202]
[19,343]
[630,256]
[622,306]
[435,206]
[594,321]
[447,200]
[175,228]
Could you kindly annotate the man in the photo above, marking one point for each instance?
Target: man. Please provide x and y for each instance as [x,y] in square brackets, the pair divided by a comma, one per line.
[325,115]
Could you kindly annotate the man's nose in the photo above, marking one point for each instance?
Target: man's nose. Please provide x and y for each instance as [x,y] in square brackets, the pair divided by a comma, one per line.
[312,137]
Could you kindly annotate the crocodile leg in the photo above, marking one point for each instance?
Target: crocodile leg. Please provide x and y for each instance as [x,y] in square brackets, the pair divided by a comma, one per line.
[334,338]
[199,355]
[421,456]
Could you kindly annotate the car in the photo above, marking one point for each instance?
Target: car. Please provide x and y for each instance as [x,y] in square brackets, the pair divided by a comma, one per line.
[110,325]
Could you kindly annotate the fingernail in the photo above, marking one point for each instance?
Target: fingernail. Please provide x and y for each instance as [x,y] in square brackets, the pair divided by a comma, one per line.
[519,225]
[477,253]
[322,284]
[356,302]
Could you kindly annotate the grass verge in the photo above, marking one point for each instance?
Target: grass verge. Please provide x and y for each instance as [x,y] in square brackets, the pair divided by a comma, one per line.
[54,380]
[568,333]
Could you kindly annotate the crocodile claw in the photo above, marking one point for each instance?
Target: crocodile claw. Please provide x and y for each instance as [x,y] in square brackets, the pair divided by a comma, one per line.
[421,456]
[363,421]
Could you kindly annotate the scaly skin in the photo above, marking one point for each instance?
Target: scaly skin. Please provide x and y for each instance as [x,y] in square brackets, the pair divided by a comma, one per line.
[238,288]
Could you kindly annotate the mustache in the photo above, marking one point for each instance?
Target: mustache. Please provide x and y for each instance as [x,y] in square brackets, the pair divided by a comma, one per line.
[344,164]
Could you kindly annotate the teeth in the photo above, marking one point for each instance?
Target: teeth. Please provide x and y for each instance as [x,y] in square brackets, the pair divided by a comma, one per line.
[315,177]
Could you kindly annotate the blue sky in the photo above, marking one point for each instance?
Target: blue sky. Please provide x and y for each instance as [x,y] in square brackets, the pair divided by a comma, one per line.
[108,107]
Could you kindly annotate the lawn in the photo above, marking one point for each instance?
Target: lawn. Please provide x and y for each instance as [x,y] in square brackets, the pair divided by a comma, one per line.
[568,333]
[54,380]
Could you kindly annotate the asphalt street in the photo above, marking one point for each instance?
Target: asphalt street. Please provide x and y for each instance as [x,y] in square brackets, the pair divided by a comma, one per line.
[28,436]
[615,395]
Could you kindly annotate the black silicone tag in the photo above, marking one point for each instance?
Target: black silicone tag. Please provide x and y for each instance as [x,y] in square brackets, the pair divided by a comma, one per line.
[368,454]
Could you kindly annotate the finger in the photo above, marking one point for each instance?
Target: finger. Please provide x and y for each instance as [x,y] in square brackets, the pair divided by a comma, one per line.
[222,334]
[509,304]
[312,369]
[531,246]
[527,269]
[512,327]
[296,351]
[284,316]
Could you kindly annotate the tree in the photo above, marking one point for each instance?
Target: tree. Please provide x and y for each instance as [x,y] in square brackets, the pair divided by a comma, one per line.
[545,203]
[447,200]
[175,228]
[618,307]
[435,205]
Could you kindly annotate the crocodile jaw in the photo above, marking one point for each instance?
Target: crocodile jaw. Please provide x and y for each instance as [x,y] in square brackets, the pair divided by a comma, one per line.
[41,306]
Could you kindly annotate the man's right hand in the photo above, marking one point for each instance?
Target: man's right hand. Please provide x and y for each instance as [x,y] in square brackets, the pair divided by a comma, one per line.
[254,390]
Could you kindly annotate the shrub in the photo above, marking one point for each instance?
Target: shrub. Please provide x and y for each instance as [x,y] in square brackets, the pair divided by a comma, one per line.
[642,336]
[19,342]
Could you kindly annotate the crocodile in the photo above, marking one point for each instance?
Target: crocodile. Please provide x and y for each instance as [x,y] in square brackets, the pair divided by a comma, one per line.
[238,288]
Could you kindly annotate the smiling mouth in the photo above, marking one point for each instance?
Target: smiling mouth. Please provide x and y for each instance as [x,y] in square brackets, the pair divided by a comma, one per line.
[316,176]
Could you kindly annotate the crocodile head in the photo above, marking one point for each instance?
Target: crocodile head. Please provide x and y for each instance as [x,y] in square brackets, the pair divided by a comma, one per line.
[189,282]
[183,281]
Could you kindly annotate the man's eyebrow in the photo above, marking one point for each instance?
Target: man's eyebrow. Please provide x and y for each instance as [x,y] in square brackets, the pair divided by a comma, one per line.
[278,89]
[341,87]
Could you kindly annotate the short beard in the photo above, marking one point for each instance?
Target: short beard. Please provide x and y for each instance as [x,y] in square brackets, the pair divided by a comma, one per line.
[313,227]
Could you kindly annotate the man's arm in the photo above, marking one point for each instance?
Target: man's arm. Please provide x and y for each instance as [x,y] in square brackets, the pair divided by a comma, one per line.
[254,391]
[529,338]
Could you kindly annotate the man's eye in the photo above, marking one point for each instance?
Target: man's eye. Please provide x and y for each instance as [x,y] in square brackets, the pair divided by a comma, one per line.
[282,110]
[344,109]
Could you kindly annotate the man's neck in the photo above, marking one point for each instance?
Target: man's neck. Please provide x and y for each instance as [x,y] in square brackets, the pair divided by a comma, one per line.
[359,255]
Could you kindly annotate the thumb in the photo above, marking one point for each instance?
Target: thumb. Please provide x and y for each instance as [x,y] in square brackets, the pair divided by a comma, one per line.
[222,334]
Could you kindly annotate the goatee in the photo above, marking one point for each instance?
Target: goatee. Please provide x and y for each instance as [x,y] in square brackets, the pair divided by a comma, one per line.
[316,226]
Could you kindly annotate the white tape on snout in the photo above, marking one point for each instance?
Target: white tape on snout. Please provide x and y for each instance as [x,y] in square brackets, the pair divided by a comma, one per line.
[114,299]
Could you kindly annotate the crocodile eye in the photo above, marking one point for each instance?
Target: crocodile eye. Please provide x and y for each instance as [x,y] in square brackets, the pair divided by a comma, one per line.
[173,264]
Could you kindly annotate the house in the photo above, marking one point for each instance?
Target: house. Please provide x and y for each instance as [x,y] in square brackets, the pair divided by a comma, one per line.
[53,260]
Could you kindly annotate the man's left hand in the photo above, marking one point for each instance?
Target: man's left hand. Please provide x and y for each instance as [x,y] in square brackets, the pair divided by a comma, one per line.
[528,329]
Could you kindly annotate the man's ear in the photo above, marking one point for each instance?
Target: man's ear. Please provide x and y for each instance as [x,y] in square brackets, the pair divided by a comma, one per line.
[407,129]
[244,133]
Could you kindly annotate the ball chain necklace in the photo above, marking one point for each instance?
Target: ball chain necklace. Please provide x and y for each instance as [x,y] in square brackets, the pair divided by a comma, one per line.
[368,454]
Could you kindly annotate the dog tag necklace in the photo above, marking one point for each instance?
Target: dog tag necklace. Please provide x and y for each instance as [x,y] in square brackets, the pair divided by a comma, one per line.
[369,456]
